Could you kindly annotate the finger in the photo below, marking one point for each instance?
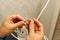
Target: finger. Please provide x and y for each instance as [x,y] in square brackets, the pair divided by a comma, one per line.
[12,17]
[39,25]
[28,22]
[31,27]
[19,24]
[20,17]
[36,28]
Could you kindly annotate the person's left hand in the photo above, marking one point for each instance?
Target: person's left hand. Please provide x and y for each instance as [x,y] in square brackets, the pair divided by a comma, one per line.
[10,23]
[36,31]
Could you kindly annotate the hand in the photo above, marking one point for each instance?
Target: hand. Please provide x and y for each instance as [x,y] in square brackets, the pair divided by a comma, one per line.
[35,30]
[10,23]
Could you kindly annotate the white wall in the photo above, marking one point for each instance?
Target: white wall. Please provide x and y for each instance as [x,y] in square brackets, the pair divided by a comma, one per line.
[54,19]
[22,7]
[29,9]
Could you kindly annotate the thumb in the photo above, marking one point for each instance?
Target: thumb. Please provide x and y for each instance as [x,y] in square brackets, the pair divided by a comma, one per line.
[19,24]
[31,27]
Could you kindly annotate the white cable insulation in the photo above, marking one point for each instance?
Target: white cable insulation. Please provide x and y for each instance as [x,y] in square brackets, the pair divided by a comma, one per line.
[45,38]
[14,35]
[43,9]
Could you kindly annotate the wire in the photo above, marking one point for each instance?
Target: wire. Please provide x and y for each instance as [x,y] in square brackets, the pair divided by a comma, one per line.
[43,9]
[45,38]
[14,36]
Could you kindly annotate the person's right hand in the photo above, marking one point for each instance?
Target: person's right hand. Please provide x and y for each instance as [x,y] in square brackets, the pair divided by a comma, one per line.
[10,24]
[35,30]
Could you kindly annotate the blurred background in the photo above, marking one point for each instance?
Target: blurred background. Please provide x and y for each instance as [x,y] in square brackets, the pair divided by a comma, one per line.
[31,9]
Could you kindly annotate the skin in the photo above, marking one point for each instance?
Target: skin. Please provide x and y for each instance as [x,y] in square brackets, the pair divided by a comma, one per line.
[35,28]
[9,25]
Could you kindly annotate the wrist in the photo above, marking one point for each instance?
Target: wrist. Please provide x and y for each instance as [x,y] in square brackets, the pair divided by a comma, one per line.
[3,32]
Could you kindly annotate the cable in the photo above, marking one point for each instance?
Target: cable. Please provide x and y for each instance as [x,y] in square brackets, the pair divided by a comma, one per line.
[45,38]
[43,9]
[14,36]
